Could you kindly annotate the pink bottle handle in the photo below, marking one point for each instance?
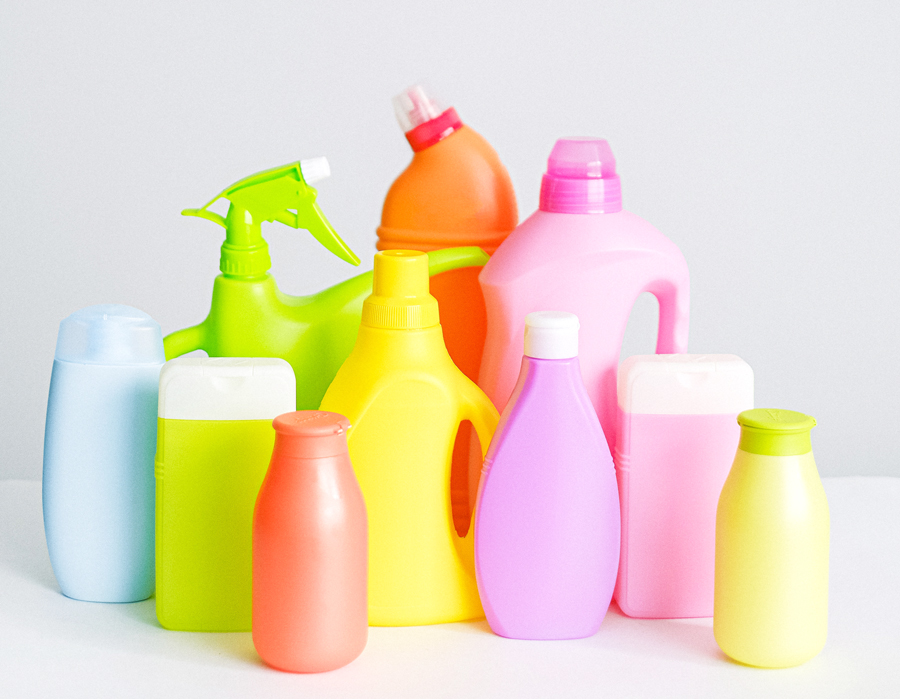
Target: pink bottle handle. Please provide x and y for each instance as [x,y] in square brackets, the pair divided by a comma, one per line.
[674,315]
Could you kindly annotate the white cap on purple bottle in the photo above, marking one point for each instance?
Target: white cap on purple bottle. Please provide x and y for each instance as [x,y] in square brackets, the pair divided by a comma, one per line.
[551,335]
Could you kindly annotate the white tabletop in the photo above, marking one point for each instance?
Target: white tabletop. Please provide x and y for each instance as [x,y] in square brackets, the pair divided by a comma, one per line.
[54,646]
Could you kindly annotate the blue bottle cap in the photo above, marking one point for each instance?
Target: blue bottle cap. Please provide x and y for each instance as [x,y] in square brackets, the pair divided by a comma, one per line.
[110,334]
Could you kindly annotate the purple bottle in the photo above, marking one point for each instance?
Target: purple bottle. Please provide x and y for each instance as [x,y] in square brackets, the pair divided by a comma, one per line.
[547,518]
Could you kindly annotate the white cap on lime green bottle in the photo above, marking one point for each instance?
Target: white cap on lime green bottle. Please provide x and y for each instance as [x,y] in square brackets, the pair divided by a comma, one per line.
[551,335]
[315,169]
[226,388]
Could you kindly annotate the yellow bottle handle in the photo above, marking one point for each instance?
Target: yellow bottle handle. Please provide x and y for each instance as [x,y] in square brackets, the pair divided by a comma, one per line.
[477,409]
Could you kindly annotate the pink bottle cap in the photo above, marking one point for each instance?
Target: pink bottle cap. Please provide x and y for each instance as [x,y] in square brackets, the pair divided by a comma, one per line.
[581,178]
[422,118]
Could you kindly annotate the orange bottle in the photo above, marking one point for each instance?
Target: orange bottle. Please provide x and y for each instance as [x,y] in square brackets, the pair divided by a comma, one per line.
[455,192]
[310,549]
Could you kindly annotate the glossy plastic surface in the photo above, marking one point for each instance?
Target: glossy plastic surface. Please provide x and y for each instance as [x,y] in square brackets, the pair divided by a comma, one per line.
[677,434]
[405,400]
[771,580]
[98,479]
[547,519]
[280,194]
[454,192]
[253,318]
[670,469]
[109,334]
[775,432]
[224,388]
[592,265]
[551,335]
[310,549]
[581,178]
[208,473]
[98,453]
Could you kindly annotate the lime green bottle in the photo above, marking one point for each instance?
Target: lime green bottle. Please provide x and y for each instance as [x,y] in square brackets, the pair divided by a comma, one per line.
[250,317]
[214,443]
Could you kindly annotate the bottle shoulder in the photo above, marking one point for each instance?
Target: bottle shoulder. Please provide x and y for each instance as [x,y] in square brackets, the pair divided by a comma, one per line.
[761,487]
[362,386]
[548,407]
[579,243]
[457,186]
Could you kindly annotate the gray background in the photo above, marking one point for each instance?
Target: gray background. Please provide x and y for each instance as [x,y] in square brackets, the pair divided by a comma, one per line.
[762,137]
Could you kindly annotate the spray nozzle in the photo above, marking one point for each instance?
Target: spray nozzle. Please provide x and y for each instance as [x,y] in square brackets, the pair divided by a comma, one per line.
[281,194]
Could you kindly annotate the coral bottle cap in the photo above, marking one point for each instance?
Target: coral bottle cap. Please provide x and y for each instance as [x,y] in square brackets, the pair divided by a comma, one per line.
[311,434]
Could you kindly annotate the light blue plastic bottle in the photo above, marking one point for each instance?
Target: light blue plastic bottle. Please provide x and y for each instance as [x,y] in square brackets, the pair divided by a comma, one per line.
[99,444]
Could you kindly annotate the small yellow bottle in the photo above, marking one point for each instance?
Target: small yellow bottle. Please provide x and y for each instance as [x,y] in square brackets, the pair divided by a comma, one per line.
[405,399]
[772,532]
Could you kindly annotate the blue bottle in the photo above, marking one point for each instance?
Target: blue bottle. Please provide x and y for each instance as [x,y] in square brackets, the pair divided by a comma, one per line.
[99,444]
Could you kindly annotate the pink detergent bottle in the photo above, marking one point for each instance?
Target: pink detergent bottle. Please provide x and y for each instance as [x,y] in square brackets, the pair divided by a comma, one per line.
[547,516]
[581,253]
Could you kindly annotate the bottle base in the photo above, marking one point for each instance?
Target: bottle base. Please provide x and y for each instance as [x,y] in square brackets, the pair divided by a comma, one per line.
[404,616]
[105,598]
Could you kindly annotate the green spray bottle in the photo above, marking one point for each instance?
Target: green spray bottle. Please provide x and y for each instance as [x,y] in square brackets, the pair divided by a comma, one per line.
[251,317]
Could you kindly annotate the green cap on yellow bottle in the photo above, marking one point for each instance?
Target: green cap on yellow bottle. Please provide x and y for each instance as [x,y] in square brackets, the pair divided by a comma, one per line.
[774,432]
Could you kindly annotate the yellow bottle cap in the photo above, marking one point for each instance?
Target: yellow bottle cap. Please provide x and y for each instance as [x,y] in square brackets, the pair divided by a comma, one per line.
[775,432]
[400,299]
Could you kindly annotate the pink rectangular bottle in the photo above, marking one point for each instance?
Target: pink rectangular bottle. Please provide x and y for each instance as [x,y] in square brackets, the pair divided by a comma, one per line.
[677,436]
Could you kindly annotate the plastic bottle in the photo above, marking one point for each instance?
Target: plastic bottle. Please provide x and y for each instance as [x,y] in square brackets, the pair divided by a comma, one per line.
[250,317]
[310,549]
[98,453]
[214,444]
[772,531]
[581,253]
[405,399]
[677,433]
[547,519]
[454,192]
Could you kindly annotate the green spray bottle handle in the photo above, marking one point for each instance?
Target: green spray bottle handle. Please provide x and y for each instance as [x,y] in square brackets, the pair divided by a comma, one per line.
[455,258]
[344,297]
[183,341]
[281,194]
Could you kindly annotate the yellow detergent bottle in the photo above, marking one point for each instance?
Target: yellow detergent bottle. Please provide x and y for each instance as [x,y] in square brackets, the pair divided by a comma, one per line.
[405,400]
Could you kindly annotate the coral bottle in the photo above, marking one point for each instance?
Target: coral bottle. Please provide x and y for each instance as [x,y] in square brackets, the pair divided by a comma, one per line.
[455,192]
[772,530]
[547,520]
[310,549]
[406,399]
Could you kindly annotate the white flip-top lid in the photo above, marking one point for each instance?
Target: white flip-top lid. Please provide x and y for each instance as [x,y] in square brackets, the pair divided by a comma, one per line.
[226,388]
[685,384]
[551,335]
